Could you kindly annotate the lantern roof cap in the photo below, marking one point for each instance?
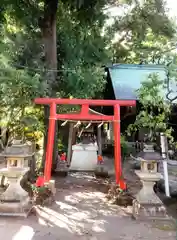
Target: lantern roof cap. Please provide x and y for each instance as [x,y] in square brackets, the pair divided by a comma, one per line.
[18,150]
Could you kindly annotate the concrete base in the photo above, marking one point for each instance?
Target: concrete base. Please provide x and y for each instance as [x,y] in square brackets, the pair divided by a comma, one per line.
[149,211]
[84,158]
[101,171]
[61,167]
[16,209]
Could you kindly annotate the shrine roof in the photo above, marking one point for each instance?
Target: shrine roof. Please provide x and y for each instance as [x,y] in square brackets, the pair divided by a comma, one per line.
[127,78]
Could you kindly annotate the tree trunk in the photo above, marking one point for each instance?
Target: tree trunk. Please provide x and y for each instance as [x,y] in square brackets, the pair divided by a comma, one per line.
[50,43]
[48,29]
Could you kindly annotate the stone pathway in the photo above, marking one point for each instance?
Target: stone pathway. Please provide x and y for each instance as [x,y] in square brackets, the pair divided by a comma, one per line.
[80,212]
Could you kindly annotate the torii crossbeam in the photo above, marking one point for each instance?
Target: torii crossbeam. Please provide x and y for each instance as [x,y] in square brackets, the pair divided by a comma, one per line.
[84,115]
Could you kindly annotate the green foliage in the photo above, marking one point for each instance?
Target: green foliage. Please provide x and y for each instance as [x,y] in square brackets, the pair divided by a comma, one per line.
[22,77]
[154,112]
[40,194]
[145,31]
[18,89]
[125,149]
[81,52]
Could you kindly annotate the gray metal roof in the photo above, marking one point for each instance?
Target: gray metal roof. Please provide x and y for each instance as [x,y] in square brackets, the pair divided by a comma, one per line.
[127,78]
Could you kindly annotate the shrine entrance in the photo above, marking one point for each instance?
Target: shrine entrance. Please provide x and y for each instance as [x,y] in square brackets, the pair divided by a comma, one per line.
[84,115]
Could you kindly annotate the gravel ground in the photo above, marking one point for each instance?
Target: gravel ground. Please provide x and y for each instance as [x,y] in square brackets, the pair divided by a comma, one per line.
[80,211]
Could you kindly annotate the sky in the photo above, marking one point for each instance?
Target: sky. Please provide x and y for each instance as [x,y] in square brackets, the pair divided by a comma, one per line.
[172,5]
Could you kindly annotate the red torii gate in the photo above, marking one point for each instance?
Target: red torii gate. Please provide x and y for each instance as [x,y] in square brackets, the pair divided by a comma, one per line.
[84,115]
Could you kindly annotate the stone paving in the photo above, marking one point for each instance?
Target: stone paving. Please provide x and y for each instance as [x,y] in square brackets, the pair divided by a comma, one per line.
[80,212]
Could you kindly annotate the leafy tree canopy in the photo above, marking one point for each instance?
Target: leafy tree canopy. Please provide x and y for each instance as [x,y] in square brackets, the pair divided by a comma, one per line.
[154,113]
[83,42]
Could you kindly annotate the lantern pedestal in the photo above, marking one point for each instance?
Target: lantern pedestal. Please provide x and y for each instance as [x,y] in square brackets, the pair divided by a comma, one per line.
[147,205]
[15,200]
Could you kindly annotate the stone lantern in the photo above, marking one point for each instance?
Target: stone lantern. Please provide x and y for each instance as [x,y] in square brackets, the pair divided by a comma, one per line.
[14,201]
[147,204]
